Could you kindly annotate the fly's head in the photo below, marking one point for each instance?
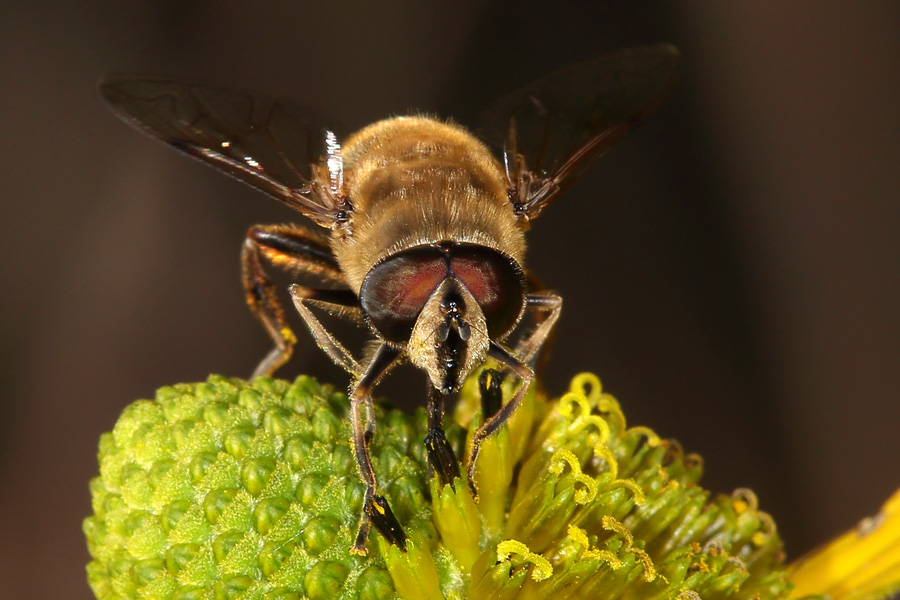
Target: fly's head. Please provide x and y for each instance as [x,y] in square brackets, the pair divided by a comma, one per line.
[444,303]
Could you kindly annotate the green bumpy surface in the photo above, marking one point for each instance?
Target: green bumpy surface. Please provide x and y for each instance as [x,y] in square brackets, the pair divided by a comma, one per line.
[249,490]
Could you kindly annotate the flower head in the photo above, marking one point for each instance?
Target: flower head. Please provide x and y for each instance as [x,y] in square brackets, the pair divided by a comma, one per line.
[234,489]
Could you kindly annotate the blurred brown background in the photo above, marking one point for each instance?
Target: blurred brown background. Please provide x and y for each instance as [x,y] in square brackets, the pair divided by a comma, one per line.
[730,271]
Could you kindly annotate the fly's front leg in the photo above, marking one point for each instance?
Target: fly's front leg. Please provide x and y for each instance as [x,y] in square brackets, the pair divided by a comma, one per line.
[342,303]
[375,508]
[489,383]
[441,457]
[527,350]
[524,372]
[288,248]
[540,302]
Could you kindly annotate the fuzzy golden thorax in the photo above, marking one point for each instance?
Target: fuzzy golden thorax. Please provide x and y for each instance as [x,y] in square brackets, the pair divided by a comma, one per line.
[413,181]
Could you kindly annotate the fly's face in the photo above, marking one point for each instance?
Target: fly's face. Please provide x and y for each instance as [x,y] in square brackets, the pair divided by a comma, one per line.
[450,337]
[444,303]
[439,278]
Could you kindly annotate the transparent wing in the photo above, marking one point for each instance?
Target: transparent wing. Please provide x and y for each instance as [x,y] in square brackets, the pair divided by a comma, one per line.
[551,130]
[260,141]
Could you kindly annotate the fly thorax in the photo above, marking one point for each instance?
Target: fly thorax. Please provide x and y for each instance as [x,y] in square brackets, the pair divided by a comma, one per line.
[449,338]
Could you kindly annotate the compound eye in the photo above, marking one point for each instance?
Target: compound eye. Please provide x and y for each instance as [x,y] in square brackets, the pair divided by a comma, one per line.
[496,282]
[396,289]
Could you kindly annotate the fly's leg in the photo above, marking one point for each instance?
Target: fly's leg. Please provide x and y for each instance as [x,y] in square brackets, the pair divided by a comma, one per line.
[524,372]
[541,302]
[441,458]
[297,250]
[528,350]
[339,302]
[287,248]
[489,383]
[375,508]
[343,303]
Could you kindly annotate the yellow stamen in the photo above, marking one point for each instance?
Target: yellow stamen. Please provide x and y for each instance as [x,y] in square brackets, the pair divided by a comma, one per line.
[542,568]
[588,385]
[612,465]
[572,399]
[611,524]
[652,439]
[565,457]
[629,484]
[579,536]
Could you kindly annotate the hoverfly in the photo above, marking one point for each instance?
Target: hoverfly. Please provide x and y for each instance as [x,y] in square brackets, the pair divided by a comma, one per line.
[418,229]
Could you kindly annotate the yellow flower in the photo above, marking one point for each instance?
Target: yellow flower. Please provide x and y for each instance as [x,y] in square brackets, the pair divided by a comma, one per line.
[862,564]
